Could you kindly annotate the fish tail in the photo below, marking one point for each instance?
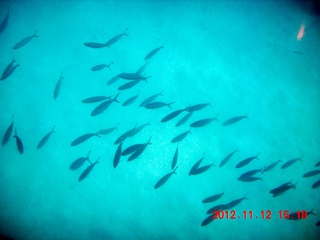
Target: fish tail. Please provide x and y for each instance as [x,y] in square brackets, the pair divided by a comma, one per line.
[115,98]
[215,118]
[169,105]
[34,35]
[311,212]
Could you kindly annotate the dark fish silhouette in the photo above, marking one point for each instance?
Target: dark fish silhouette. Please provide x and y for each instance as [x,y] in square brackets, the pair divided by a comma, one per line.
[184,119]
[103,106]
[203,122]
[282,188]
[234,203]
[213,198]
[18,142]
[233,120]
[24,41]
[318,224]
[227,158]
[311,173]
[117,156]
[150,99]
[113,79]
[249,179]
[246,161]
[317,164]
[130,84]
[208,219]
[180,137]
[136,130]
[57,87]
[84,138]
[196,165]
[108,130]
[290,162]
[131,149]
[198,107]
[95,99]
[154,105]
[175,158]
[4,21]
[152,53]
[132,76]
[316,184]
[219,207]
[7,134]
[297,216]
[139,151]
[165,178]
[142,68]
[79,162]
[130,100]
[200,170]
[124,136]
[101,66]
[251,173]
[9,70]
[116,38]
[173,115]
[95,45]
[45,138]
[271,166]
[86,172]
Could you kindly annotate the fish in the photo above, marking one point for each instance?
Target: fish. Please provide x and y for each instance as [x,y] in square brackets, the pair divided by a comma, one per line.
[272,165]
[79,162]
[227,158]
[124,136]
[311,173]
[57,87]
[198,107]
[7,134]
[18,142]
[95,45]
[116,38]
[196,165]
[202,169]
[131,149]
[318,224]
[103,106]
[233,120]
[203,122]
[129,84]
[173,115]
[234,203]
[184,119]
[152,53]
[130,100]
[249,179]
[213,198]
[24,41]
[290,162]
[86,172]
[117,156]
[296,215]
[133,76]
[220,207]
[154,105]
[4,21]
[251,173]
[208,220]
[138,129]
[108,130]
[113,79]
[317,164]
[175,158]
[150,99]
[142,68]
[101,66]
[246,161]
[316,184]
[95,99]
[9,70]
[165,178]
[45,138]
[282,188]
[180,137]
[139,151]
[84,138]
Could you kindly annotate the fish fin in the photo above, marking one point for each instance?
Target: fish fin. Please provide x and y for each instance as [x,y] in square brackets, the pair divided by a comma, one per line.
[169,105]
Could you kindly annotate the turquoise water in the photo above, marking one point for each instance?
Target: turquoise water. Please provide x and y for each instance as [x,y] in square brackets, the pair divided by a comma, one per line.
[242,57]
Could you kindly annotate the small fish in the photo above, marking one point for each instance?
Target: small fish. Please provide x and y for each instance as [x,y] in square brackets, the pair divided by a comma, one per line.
[86,172]
[142,68]
[95,45]
[296,215]
[103,106]
[4,22]
[200,170]
[79,162]
[138,129]
[108,130]
[132,76]
[9,70]
[208,219]
[117,156]
[317,164]
[180,137]
[101,66]
[95,99]
[139,151]
[234,203]
[271,166]
[45,138]
[7,134]
[24,41]
[124,136]
[154,105]
[227,158]
[130,100]
[184,119]
[282,188]
[113,79]
[249,179]
[57,87]
[129,84]
[316,184]
[150,99]
[18,142]
[220,207]
[131,149]
[233,120]
[173,115]
[196,165]
[290,162]
[198,107]
[251,173]
[246,161]
[213,198]
[116,38]
[152,53]
[175,158]
[165,178]
[203,122]
[311,173]
[84,138]
[318,224]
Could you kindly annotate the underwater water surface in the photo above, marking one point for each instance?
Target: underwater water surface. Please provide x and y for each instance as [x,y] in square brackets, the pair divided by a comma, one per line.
[258,61]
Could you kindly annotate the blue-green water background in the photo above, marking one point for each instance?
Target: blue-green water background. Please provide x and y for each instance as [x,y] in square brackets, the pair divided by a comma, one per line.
[238,55]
